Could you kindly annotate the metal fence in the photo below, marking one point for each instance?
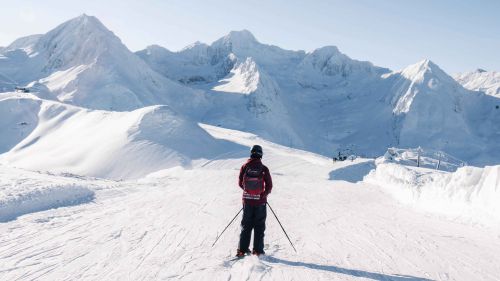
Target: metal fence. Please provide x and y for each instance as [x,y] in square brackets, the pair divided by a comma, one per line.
[426,158]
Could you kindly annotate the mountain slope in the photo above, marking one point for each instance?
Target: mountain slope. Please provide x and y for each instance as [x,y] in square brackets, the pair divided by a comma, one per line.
[432,110]
[289,76]
[52,136]
[83,63]
[6,84]
[252,101]
[328,67]
[333,102]
[480,80]
[197,63]
[202,63]
[322,101]
[426,97]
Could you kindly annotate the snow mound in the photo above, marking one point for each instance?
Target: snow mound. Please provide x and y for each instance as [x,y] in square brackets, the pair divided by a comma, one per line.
[118,145]
[471,194]
[17,200]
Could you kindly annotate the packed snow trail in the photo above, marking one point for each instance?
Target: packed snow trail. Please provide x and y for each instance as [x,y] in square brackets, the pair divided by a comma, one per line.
[162,227]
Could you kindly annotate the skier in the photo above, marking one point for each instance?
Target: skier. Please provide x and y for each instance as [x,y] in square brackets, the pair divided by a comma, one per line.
[255,180]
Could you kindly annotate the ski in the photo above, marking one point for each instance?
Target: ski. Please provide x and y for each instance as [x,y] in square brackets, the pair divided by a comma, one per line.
[232,260]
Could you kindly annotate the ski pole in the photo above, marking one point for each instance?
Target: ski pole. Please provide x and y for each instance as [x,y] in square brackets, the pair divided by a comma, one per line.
[281,227]
[226,227]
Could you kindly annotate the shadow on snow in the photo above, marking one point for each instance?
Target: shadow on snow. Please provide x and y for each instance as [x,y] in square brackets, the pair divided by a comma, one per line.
[352,173]
[346,271]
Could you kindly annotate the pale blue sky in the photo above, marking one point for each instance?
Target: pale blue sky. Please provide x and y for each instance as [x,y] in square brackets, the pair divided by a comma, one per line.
[457,35]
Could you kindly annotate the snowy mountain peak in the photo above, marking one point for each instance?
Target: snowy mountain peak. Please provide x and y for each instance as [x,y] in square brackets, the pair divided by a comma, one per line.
[195,46]
[81,34]
[480,70]
[423,69]
[155,50]
[24,43]
[83,63]
[323,58]
[423,65]
[86,19]
[327,66]
[327,50]
[238,42]
[83,23]
[428,81]
[77,41]
[241,36]
[80,27]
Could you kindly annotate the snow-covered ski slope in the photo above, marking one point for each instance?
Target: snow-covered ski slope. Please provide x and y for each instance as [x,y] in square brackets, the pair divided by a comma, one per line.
[162,226]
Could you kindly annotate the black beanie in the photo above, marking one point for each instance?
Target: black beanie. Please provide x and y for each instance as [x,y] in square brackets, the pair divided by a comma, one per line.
[256,152]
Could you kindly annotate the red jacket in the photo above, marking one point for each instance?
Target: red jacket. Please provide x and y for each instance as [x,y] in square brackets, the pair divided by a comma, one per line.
[268,184]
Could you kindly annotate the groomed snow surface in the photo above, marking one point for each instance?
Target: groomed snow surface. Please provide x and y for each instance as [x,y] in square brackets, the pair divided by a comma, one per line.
[162,226]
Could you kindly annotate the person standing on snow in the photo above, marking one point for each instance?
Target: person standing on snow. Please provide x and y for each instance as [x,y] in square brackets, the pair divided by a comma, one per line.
[255,180]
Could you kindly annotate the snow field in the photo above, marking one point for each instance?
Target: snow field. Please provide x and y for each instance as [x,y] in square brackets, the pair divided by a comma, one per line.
[120,145]
[162,227]
[24,192]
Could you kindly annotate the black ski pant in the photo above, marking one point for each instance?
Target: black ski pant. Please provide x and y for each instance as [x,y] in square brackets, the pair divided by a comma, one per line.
[254,217]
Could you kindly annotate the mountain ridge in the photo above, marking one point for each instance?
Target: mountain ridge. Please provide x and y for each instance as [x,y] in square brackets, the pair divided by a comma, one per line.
[320,101]
[83,63]
[480,80]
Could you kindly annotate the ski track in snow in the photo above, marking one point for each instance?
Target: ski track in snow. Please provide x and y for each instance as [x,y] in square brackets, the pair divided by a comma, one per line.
[162,228]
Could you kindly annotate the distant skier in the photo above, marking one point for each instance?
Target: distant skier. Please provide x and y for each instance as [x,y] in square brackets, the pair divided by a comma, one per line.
[255,180]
